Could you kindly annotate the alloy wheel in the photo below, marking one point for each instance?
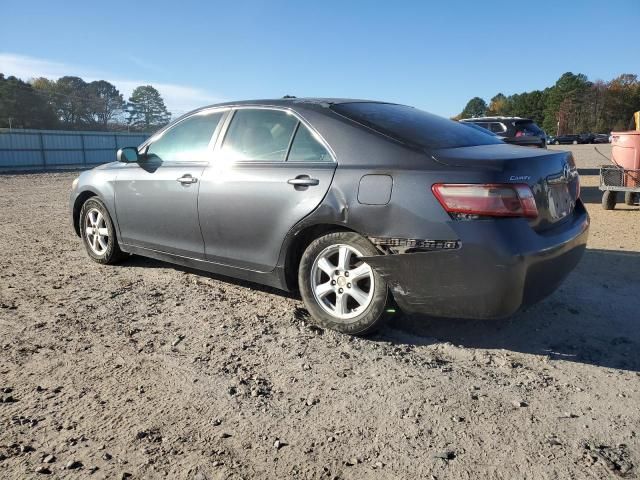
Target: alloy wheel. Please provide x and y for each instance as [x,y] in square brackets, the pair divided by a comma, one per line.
[342,284]
[97,233]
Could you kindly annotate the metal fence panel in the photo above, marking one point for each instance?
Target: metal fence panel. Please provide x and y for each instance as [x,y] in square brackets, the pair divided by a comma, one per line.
[62,142]
[19,160]
[131,141]
[95,157]
[59,158]
[20,142]
[55,149]
[100,141]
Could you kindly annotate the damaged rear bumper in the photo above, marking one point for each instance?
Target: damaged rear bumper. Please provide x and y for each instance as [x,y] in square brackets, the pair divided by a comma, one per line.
[501,266]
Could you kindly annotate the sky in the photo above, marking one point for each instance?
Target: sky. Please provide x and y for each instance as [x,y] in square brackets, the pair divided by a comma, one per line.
[432,55]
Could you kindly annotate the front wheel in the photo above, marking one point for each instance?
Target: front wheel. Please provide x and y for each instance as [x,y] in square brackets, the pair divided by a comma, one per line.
[98,233]
[341,291]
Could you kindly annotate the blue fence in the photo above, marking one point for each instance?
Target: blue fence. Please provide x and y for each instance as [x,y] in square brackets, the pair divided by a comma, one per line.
[57,149]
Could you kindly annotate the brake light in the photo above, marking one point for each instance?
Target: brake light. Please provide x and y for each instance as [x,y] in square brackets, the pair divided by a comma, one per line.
[489,200]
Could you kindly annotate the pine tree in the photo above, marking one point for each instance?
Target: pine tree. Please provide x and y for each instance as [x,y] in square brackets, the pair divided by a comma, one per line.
[146,109]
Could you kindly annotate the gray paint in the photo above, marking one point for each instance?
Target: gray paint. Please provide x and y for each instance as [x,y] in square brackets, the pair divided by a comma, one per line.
[375,189]
[242,219]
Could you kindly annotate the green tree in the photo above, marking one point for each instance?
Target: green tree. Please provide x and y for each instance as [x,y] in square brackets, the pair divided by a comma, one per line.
[529,105]
[69,98]
[23,107]
[568,93]
[476,107]
[146,109]
[622,99]
[105,103]
[499,105]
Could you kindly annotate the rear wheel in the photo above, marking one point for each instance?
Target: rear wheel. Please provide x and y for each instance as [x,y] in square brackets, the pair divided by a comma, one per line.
[341,291]
[98,233]
[630,198]
[609,200]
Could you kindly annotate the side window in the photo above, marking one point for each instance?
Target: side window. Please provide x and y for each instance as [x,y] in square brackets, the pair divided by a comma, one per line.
[307,148]
[497,128]
[259,135]
[187,141]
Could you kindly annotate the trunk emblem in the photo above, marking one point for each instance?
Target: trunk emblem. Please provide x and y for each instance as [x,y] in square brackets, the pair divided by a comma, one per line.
[566,172]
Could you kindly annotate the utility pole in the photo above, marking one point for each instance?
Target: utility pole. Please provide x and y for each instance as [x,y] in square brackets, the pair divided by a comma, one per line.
[10,124]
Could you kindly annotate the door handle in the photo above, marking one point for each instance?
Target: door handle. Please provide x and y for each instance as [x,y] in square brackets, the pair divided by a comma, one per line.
[187,179]
[303,181]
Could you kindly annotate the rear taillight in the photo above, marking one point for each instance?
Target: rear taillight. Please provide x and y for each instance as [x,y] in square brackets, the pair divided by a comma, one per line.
[487,200]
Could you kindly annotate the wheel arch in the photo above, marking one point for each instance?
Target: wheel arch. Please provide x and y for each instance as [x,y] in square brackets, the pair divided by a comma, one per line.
[77,206]
[298,244]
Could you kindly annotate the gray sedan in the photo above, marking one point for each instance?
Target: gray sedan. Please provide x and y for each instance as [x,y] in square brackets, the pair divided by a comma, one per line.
[361,206]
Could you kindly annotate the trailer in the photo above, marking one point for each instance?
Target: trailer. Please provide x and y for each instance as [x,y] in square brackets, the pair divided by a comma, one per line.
[623,175]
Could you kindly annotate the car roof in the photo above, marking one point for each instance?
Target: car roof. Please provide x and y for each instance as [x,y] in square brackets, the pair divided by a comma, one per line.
[292,102]
[489,119]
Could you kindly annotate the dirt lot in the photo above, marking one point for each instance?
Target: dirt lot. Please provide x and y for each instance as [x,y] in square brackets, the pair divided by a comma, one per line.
[144,370]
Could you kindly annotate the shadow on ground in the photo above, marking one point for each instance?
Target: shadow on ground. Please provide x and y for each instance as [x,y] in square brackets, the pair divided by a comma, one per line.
[137,261]
[594,318]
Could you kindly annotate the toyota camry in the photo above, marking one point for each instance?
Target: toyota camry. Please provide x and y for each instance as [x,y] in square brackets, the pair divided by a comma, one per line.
[361,206]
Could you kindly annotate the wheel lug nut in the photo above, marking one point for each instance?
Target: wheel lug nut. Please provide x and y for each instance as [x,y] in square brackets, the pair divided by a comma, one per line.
[337,272]
[333,282]
[348,285]
[340,290]
[346,274]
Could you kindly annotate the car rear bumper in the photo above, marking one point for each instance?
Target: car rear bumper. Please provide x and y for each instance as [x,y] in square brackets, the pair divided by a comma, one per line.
[501,266]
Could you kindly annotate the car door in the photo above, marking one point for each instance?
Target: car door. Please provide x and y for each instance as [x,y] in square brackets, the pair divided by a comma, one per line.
[157,197]
[270,171]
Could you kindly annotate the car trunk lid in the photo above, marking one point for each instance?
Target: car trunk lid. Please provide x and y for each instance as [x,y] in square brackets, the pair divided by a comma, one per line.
[551,175]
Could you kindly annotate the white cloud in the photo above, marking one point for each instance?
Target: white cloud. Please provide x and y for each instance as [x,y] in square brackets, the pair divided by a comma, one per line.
[178,98]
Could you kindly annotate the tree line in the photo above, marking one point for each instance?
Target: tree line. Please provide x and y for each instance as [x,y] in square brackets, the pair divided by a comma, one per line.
[70,103]
[574,104]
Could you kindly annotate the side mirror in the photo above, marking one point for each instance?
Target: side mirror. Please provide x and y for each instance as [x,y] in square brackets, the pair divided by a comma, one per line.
[128,155]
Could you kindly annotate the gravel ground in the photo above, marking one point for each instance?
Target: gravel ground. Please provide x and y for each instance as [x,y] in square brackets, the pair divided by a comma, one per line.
[144,370]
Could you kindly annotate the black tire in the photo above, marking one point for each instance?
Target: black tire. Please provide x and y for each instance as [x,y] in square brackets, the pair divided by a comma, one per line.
[374,315]
[630,198]
[609,200]
[112,253]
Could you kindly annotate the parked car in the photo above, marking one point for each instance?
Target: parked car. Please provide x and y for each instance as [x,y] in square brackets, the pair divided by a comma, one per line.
[601,138]
[586,138]
[566,139]
[353,203]
[514,130]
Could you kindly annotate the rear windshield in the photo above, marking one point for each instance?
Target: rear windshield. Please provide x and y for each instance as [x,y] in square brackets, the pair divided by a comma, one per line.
[528,128]
[414,127]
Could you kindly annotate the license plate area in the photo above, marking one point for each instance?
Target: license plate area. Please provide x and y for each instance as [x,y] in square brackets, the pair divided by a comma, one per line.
[560,201]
